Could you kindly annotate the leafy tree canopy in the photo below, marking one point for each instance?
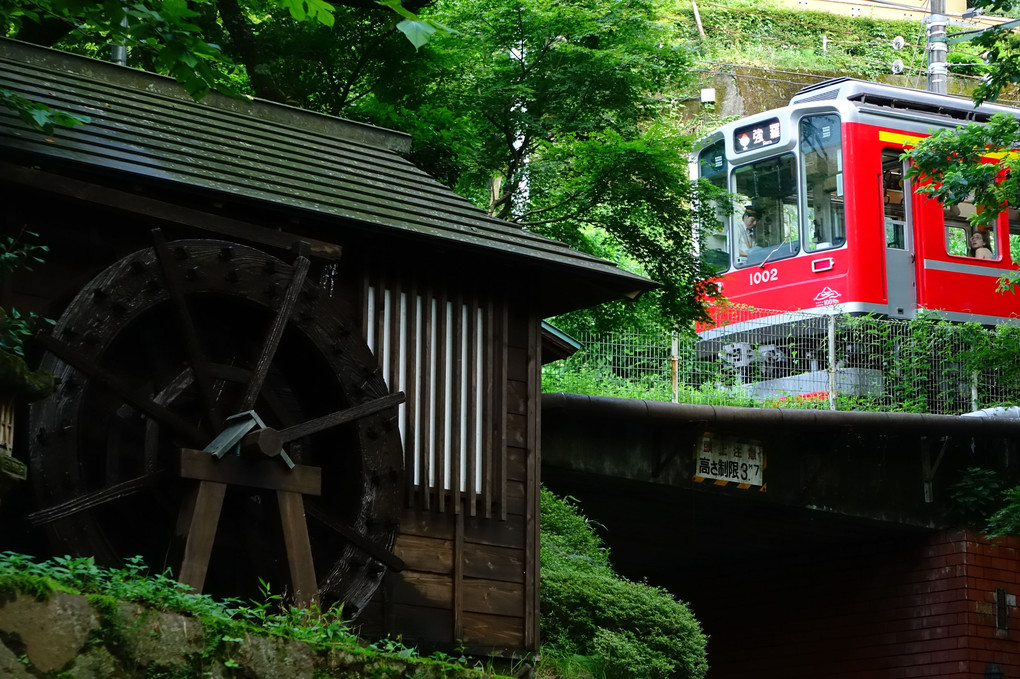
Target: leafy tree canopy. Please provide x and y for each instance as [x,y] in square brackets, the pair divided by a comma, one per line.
[560,116]
[229,45]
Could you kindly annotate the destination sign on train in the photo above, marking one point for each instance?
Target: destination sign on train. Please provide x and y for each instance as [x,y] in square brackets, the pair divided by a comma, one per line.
[757,136]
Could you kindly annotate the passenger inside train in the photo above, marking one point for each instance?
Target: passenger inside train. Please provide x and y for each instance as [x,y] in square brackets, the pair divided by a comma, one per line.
[980,245]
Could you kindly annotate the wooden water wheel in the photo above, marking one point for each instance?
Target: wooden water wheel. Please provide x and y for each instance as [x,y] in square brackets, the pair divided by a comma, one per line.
[207,388]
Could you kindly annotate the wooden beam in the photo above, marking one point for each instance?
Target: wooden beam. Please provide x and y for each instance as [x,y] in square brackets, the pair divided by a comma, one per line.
[162,212]
[532,484]
[269,473]
[458,577]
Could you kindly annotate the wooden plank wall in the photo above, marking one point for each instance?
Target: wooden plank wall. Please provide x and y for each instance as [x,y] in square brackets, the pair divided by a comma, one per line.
[471,557]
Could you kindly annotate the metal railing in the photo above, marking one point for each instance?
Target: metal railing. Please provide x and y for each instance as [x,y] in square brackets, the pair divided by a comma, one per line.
[804,360]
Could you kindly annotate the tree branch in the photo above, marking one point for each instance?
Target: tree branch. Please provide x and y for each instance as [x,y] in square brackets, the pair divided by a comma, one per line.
[251,55]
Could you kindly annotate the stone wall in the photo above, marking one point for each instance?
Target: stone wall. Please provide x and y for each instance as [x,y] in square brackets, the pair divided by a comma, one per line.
[77,637]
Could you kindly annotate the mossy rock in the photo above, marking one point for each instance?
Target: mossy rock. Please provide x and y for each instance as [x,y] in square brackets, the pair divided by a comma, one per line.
[21,382]
[12,468]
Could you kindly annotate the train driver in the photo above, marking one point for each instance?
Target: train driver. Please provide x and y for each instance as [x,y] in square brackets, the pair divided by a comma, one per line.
[980,245]
[745,236]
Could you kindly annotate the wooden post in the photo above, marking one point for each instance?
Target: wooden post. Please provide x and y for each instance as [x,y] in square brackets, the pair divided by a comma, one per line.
[202,534]
[697,19]
[299,548]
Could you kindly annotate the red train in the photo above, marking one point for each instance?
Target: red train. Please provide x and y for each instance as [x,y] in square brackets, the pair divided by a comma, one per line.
[825,216]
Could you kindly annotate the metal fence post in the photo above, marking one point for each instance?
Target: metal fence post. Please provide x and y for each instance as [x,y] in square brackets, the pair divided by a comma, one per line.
[832,361]
[974,391]
[674,365]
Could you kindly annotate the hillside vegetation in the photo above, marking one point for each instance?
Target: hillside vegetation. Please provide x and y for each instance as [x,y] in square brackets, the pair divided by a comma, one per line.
[765,35]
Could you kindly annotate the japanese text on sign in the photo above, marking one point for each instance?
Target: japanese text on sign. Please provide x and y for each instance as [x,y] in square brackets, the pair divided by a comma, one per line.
[730,460]
[749,137]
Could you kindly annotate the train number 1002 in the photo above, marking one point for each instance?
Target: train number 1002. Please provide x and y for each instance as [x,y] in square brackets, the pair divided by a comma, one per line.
[767,276]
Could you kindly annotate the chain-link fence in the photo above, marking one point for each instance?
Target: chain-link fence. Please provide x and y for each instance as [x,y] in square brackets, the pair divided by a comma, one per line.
[803,359]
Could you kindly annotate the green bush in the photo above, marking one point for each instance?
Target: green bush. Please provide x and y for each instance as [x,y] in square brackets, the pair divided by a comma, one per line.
[626,629]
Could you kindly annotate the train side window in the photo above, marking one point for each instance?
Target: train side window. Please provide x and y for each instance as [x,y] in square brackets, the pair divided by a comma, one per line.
[822,181]
[964,239]
[769,188]
[956,241]
[715,246]
[1014,235]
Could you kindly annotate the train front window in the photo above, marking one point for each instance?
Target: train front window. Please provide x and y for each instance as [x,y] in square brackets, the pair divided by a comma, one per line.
[767,217]
[821,151]
[715,247]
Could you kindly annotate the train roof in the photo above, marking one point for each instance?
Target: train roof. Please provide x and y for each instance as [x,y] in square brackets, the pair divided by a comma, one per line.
[864,93]
[916,111]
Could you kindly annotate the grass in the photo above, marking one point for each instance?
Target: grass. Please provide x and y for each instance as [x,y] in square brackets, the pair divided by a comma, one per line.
[224,621]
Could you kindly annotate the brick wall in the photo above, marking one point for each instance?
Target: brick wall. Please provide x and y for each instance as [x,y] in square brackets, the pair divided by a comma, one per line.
[916,606]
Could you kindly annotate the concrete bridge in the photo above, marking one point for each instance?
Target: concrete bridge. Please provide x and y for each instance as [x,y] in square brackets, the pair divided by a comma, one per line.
[802,538]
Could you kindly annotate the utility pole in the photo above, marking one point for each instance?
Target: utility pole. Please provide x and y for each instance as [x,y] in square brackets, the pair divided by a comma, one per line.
[937,47]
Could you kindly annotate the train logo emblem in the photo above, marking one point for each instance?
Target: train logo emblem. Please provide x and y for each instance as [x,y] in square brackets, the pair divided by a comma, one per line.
[827,297]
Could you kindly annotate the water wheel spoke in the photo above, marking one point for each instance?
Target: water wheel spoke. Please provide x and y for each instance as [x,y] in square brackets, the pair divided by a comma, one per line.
[315,510]
[341,417]
[196,356]
[272,341]
[169,419]
[94,499]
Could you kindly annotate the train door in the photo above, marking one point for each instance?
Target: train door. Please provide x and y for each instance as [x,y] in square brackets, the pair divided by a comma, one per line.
[900,277]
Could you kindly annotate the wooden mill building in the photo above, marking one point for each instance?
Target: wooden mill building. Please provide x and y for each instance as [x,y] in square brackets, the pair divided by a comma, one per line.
[210,260]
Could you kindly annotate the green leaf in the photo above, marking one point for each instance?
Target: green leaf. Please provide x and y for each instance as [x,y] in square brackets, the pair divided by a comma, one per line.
[316,9]
[418,32]
[41,117]
[399,9]
[296,8]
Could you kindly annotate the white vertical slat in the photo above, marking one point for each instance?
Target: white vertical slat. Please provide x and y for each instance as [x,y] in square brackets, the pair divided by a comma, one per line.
[448,371]
[391,309]
[479,404]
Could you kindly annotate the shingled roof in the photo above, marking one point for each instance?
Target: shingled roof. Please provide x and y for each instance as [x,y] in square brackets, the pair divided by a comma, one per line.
[145,126]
